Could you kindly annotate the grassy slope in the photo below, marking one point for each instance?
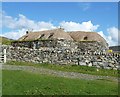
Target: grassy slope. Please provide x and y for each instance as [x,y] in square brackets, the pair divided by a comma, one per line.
[24,83]
[5,40]
[74,68]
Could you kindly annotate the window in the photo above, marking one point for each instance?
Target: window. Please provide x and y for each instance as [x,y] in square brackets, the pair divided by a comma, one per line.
[42,35]
[25,37]
[86,38]
[51,34]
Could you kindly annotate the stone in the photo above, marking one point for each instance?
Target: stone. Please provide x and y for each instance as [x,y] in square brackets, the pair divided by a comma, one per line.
[99,60]
[90,64]
[105,64]
[114,68]
[101,64]
[111,65]
[87,61]
[107,67]
[95,63]
[98,66]
[111,62]
[82,63]
[117,67]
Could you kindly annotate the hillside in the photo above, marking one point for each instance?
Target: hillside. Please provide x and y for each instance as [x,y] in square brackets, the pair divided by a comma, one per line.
[5,40]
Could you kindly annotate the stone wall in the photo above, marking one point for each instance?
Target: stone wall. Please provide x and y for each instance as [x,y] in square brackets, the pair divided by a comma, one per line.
[88,54]
[83,45]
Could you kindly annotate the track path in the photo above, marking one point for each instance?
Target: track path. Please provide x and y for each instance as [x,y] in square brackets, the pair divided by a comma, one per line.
[56,73]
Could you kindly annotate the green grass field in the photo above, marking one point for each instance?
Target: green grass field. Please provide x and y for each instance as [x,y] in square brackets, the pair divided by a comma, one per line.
[24,83]
[70,68]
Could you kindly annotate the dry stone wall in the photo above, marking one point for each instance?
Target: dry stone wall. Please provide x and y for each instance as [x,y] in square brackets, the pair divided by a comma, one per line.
[87,54]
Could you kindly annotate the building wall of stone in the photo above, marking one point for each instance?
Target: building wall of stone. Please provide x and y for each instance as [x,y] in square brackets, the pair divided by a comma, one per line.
[82,45]
[81,53]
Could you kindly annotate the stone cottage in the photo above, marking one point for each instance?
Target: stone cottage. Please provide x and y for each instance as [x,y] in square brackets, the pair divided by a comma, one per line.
[65,48]
[60,38]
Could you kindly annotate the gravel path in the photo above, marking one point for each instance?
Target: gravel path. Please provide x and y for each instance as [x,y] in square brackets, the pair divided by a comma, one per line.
[56,73]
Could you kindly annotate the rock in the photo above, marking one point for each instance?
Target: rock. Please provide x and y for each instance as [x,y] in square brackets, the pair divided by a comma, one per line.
[82,63]
[111,65]
[114,68]
[117,67]
[95,63]
[111,62]
[87,61]
[101,64]
[107,67]
[98,66]
[105,64]
[90,64]
[99,60]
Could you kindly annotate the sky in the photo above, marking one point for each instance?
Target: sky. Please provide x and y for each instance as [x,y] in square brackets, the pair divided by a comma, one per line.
[99,17]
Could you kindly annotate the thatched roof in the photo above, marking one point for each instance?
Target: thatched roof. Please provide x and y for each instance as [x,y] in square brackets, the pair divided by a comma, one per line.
[87,36]
[61,34]
[48,34]
[81,35]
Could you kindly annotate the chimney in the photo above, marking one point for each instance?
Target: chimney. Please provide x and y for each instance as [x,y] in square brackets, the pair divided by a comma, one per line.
[61,28]
[27,32]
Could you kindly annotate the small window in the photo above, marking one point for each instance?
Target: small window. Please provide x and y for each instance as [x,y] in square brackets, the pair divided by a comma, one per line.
[86,38]
[42,35]
[25,37]
[51,35]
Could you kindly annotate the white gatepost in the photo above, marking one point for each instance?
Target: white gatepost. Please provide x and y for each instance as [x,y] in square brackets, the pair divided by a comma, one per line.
[4,55]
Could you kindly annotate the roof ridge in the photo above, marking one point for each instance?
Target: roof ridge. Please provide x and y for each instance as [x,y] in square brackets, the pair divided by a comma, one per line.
[49,30]
[81,31]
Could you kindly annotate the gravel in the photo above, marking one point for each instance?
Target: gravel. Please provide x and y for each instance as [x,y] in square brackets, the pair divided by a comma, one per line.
[56,73]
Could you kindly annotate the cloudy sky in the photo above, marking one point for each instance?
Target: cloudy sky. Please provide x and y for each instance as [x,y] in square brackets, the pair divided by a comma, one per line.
[90,16]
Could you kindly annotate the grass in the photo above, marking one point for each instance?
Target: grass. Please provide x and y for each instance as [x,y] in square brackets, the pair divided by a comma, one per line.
[5,40]
[0,83]
[24,83]
[69,68]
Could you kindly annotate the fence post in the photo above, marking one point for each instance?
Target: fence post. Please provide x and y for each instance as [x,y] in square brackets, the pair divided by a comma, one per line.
[4,55]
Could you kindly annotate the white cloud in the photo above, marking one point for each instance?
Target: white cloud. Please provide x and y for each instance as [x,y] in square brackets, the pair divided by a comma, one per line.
[14,34]
[73,26]
[19,25]
[22,22]
[46,25]
[113,36]
[113,31]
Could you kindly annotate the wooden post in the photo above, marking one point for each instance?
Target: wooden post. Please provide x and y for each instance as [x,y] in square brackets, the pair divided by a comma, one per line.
[4,55]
